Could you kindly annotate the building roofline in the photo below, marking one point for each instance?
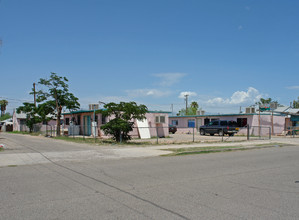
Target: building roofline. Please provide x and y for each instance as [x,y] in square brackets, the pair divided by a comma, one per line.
[91,111]
[219,115]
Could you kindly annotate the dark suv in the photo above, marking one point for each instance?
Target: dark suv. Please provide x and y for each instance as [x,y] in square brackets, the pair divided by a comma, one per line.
[172,129]
[220,127]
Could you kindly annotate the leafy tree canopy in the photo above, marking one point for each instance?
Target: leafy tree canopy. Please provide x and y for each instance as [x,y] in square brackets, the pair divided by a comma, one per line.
[56,97]
[123,115]
[296,103]
[5,116]
[192,110]
[32,117]
[263,101]
[3,104]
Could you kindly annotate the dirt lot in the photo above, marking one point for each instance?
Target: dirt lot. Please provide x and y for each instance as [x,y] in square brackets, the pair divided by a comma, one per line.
[186,138]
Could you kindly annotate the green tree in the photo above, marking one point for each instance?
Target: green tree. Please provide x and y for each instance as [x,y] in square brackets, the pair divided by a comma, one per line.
[296,103]
[192,110]
[56,97]
[3,104]
[123,115]
[5,116]
[32,117]
[45,111]
[263,101]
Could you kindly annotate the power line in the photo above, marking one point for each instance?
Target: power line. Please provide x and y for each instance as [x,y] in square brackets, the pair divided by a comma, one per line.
[19,100]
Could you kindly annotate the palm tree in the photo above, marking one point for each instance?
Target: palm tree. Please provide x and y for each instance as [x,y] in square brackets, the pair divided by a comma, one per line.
[3,104]
[194,105]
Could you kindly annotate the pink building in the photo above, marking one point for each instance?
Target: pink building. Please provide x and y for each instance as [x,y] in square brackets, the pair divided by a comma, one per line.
[19,123]
[276,122]
[81,123]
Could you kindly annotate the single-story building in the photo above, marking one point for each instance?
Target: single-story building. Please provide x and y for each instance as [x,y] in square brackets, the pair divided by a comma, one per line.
[292,117]
[6,125]
[82,123]
[275,121]
[19,123]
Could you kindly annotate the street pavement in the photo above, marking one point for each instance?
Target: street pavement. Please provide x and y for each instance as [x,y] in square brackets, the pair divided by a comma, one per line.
[78,181]
[24,149]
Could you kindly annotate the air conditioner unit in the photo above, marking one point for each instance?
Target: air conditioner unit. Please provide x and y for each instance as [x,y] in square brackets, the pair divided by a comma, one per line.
[250,110]
[93,106]
[200,112]
[160,119]
[273,105]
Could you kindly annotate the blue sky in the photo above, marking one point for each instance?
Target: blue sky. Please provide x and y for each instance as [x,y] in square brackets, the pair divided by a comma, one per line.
[224,54]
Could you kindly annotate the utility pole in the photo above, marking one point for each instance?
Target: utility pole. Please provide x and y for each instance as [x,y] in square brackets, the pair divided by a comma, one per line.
[34,93]
[186,99]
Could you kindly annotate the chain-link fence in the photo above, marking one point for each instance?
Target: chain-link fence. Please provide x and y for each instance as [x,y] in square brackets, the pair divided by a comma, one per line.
[170,135]
[292,131]
[159,134]
[46,130]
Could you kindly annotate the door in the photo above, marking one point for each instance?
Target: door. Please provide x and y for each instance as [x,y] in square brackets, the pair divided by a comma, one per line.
[198,123]
[213,127]
[87,125]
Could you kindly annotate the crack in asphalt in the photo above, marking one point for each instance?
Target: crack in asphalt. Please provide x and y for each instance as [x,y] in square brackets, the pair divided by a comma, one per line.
[106,184]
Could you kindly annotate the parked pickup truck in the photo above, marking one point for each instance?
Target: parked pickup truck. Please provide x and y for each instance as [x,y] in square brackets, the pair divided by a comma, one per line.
[219,127]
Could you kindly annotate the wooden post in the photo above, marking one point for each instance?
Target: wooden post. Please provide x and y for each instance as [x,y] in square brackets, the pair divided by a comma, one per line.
[272,130]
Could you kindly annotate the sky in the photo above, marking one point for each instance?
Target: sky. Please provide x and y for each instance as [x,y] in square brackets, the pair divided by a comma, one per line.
[223,54]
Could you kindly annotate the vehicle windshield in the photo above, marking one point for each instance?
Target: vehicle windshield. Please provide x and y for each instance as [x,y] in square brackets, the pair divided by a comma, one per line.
[232,123]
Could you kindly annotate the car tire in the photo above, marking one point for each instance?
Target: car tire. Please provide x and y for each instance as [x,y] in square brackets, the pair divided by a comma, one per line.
[202,132]
[232,134]
[212,134]
[220,132]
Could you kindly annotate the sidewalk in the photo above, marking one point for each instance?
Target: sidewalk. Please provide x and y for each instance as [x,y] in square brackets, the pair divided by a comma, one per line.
[116,152]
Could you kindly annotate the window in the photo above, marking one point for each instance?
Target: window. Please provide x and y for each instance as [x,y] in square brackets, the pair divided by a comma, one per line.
[160,119]
[78,120]
[242,122]
[175,122]
[216,123]
[67,121]
[206,121]
[104,120]
[223,123]
[191,123]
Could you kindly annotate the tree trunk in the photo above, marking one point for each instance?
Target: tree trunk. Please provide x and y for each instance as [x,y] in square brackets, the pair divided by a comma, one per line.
[59,109]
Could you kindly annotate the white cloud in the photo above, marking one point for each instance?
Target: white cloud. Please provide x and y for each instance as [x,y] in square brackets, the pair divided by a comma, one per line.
[248,8]
[293,87]
[248,97]
[190,94]
[169,79]
[148,92]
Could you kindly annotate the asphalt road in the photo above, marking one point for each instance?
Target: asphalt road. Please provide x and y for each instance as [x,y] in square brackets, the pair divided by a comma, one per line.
[252,184]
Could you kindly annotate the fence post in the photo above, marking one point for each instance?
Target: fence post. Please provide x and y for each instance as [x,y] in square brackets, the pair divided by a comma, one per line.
[248,132]
[222,134]
[269,133]
[260,131]
[157,134]
[95,128]
[193,134]
[83,132]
